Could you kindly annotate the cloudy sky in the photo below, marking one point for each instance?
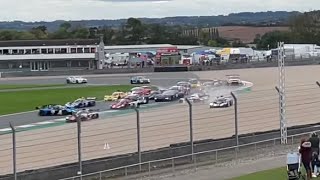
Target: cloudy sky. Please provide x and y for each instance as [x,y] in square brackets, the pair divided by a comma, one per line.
[49,10]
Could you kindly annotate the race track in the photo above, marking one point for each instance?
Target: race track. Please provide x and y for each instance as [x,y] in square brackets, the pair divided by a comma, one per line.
[258,111]
[162,80]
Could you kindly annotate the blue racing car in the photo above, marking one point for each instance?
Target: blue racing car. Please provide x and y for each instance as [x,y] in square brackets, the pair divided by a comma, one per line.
[55,110]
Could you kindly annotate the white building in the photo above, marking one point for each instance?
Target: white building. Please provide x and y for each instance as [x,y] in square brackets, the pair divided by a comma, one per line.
[42,55]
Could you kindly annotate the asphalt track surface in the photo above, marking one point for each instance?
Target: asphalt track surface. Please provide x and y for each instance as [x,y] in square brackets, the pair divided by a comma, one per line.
[161,80]
[258,111]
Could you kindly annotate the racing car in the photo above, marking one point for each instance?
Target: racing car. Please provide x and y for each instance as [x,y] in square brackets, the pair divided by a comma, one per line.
[184,84]
[139,80]
[194,83]
[124,104]
[139,99]
[142,91]
[83,115]
[82,102]
[233,79]
[55,110]
[169,95]
[76,80]
[221,102]
[196,97]
[115,96]
[181,89]
[153,94]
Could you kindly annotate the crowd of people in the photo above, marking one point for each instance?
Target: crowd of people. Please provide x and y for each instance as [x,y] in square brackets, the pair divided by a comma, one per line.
[309,150]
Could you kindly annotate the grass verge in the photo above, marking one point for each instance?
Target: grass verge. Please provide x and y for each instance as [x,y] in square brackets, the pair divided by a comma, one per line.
[13,102]
[276,174]
[23,86]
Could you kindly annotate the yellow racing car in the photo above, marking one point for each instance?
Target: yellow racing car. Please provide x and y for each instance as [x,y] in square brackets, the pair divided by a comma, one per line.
[115,96]
[194,83]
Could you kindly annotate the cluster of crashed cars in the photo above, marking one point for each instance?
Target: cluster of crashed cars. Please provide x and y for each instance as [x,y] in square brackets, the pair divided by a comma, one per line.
[72,110]
[192,90]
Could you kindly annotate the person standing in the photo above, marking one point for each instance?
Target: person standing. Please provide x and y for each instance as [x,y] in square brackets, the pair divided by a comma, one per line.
[306,156]
[314,140]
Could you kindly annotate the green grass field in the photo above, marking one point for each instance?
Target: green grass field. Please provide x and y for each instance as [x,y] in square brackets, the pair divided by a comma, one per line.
[22,86]
[13,102]
[276,174]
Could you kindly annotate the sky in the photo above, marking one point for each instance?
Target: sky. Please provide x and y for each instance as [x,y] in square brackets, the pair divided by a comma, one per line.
[50,10]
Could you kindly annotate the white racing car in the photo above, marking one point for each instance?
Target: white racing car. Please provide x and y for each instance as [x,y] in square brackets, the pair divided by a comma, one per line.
[221,102]
[234,79]
[76,80]
[83,115]
[196,97]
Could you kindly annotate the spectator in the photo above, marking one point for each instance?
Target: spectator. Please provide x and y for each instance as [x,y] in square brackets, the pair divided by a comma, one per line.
[306,156]
[314,140]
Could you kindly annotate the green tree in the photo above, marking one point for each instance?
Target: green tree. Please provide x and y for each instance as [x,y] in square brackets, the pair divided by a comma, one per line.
[40,32]
[135,31]
[81,33]
[270,40]
[213,43]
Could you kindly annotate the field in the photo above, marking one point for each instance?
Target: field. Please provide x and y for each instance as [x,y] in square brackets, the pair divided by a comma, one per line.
[246,33]
[28,100]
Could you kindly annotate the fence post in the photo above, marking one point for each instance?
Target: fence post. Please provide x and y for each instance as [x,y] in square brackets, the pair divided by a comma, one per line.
[191,127]
[138,136]
[14,148]
[79,147]
[236,118]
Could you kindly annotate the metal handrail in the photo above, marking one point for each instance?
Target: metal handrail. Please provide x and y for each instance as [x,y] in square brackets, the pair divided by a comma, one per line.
[187,155]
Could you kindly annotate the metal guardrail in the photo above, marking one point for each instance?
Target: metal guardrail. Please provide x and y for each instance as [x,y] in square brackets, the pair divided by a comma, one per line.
[235,150]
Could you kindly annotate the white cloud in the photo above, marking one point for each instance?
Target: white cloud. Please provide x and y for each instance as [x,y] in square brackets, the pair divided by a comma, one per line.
[35,10]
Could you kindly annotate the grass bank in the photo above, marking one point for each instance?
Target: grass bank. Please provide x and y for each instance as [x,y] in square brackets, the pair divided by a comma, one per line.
[274,174]
[19,101]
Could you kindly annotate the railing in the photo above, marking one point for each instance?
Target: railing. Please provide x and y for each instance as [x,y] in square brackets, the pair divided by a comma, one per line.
[200,159]
[142,136]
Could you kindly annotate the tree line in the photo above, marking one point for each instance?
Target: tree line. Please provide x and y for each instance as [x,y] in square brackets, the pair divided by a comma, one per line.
[304,28]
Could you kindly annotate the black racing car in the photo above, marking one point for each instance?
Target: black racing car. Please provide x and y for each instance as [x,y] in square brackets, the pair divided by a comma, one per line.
[169,95]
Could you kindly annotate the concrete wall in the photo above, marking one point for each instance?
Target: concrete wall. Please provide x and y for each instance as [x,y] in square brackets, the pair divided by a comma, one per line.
[260,64]
[76,72]
[69,170]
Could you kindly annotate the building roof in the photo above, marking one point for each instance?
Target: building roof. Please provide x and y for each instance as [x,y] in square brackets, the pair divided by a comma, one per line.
[145,46]
[57,42]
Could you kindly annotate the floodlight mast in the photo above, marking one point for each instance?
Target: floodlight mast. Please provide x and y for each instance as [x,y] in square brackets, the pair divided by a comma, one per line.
[282,96]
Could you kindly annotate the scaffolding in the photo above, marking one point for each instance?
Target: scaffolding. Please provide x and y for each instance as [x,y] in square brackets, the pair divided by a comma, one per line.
[282,96]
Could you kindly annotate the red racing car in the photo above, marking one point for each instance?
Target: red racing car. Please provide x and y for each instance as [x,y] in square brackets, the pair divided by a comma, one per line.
[124,104]
[141,91]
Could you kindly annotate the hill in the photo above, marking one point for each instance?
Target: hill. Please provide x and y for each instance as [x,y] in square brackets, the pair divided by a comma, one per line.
[279,18]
